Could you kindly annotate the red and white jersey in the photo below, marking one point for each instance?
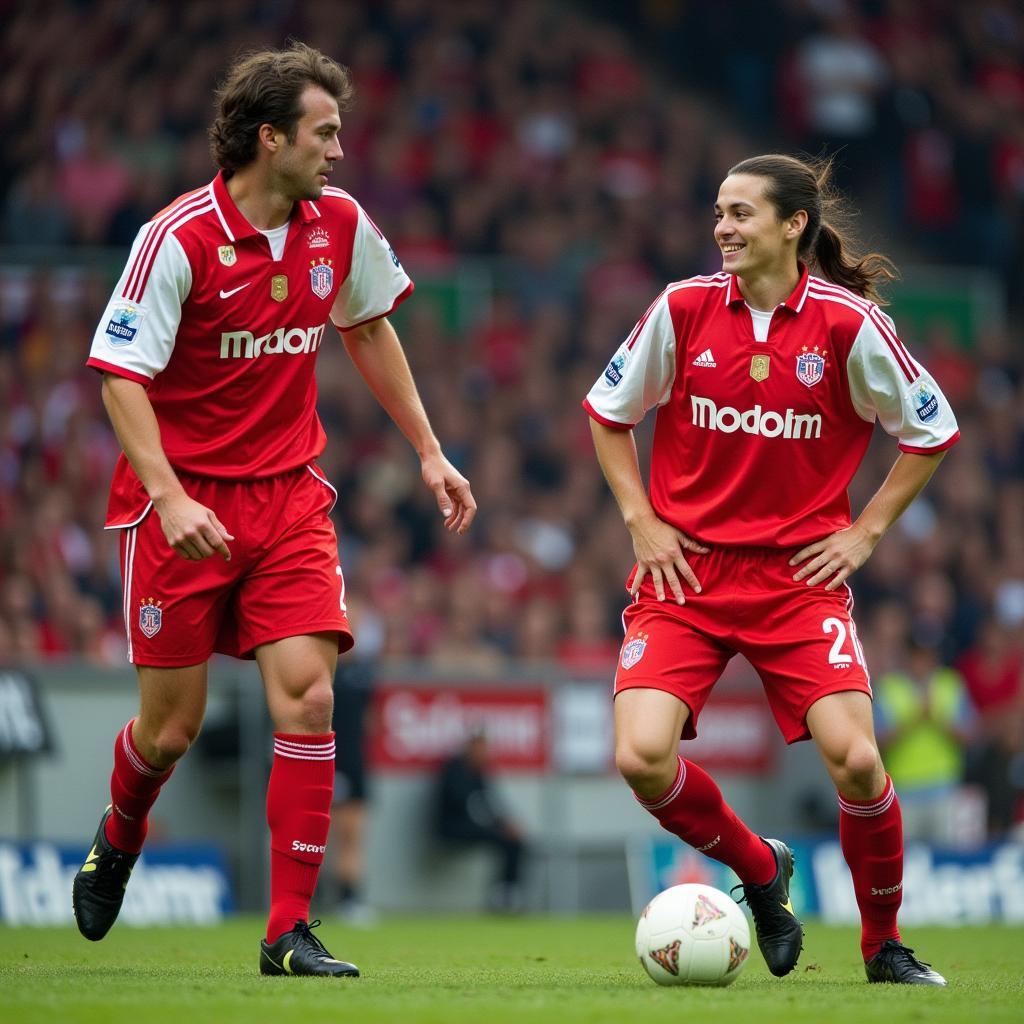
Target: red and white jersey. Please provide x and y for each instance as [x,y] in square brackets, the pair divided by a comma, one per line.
[756,441]
[225,337]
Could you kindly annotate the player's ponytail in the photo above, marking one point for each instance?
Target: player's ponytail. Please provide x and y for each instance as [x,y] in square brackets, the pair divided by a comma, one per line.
[826,243]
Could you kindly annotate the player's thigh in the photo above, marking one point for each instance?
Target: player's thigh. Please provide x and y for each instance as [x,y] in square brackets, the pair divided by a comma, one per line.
[172,698]
[297,674]
[668,664]
[648,724]
[803,643]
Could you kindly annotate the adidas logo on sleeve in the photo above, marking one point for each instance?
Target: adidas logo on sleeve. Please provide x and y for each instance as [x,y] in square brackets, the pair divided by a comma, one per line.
[705,359]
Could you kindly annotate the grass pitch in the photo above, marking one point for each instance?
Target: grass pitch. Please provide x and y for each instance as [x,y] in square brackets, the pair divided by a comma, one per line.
[451,970]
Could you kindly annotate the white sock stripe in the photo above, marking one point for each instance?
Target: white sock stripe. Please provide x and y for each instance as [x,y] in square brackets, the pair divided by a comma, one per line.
[880,806]
[136,759]
[301,752]
[303,747]
[676,789]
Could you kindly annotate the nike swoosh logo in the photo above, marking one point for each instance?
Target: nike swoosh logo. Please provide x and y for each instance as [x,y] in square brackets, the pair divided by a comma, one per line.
[286,963]
[228,294]
[788,905]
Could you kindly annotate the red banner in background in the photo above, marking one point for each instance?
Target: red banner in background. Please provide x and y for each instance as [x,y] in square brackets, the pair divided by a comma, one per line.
[416,727]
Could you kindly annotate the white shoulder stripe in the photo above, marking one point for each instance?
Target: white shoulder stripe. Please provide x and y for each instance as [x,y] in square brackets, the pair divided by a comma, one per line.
[139,277]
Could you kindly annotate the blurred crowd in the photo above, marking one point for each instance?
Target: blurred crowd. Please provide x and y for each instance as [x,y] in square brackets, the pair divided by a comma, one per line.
[575,159]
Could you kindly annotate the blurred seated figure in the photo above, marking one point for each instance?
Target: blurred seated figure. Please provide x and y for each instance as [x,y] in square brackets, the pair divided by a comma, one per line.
[924,720]
[469,812]
[993,670]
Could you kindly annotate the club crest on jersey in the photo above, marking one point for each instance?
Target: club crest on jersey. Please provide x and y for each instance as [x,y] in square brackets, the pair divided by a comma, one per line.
[319,238]
[613,374]
[633,650]
[151,616]
[226,254]
[123,325]
[321,277]
[810,366]
[926,403]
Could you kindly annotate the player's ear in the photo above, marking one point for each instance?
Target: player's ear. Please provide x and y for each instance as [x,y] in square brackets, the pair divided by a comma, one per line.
[270,137]
[796,224]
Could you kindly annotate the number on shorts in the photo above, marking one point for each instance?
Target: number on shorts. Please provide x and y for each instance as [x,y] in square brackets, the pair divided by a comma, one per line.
[835,654]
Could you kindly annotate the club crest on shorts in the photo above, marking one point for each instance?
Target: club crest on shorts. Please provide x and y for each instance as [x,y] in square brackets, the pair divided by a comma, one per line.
[633,650]
[321,277]
[810,366]
[151,616]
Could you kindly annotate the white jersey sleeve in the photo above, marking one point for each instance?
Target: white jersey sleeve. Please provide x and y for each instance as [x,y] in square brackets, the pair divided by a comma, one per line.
[641,373]
[376,281]
[138,335]
[887,383]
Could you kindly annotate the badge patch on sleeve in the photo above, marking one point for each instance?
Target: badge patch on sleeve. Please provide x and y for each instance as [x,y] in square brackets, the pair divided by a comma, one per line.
[926,402]
[613,374]
[124,323]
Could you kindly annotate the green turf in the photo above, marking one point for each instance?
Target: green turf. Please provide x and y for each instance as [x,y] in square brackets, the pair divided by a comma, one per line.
[486,971]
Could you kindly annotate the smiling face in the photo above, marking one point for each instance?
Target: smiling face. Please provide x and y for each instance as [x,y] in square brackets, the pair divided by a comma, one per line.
[753,239]
[300,166]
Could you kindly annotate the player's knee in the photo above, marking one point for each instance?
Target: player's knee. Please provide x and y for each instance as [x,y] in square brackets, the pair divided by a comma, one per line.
[316,706]
[860,769]
[170,744]
[640,766]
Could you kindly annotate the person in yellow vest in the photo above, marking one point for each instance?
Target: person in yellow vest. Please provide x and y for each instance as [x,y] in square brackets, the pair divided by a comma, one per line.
[923,720]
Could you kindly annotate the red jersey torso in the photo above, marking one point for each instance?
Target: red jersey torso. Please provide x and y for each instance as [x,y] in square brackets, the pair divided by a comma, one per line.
[756,441]
[225,336]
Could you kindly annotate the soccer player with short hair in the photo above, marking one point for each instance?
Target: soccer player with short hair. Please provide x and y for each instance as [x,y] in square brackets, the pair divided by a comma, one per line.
[767,380]
[207,349]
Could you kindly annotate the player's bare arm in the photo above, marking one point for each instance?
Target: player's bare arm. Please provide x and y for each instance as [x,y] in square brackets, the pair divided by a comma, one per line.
[659,547]
[193,530]
[378,356]
[839,556]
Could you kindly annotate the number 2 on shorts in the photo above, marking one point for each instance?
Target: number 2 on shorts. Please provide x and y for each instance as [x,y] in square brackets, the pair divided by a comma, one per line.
[835,654]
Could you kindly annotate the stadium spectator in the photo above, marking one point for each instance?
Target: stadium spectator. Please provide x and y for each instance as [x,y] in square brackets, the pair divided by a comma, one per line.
[924,721]
[758,516]
[469,813]
[993,670]
[269,245]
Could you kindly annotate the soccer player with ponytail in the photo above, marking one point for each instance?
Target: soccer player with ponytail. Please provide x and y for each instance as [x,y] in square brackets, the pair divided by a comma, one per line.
[767,379]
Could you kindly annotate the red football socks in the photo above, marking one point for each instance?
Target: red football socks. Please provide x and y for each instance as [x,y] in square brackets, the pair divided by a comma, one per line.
[134,786]
[299,814]
[871,835]
[694,809]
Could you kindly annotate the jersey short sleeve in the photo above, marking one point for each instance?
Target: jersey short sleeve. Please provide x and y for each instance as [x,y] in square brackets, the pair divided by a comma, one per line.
[376,282]
[640,374]
[135,336]
[887,383]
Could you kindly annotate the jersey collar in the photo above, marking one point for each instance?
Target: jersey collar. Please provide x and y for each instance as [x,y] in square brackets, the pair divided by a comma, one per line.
[231,219]
[794,303]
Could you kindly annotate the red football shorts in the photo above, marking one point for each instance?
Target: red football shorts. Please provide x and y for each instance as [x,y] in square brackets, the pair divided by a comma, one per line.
[283,579]
[801,640]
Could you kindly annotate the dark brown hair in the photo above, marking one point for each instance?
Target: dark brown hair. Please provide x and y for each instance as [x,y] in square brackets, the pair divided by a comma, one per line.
[265,87]
[825,244]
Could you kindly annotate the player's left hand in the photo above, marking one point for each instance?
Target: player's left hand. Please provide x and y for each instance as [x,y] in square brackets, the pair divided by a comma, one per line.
[451,489]
[834,559]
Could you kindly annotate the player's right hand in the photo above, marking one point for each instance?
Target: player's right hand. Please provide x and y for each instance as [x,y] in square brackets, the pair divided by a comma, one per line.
[193,530]
[659,550]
